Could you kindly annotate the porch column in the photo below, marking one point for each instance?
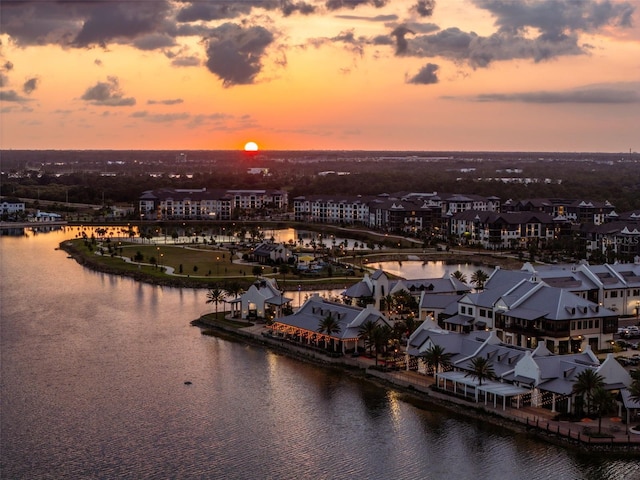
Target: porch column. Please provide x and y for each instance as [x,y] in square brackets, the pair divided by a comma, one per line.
[553,403]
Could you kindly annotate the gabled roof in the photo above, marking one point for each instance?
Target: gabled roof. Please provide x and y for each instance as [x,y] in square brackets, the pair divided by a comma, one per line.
[429,300]
[350,318]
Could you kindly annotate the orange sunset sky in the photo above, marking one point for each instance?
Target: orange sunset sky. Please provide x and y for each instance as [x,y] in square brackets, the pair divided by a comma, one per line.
[332,74]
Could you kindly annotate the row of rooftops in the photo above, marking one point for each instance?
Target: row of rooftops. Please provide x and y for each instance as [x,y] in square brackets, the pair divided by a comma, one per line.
[529,367]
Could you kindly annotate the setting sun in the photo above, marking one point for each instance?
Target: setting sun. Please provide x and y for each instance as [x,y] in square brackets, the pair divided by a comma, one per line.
[251,147]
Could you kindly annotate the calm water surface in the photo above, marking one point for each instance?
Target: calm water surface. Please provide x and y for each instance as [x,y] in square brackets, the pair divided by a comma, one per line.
[93,372]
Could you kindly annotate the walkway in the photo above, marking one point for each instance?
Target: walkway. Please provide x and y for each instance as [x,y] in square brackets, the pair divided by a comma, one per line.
[536,419]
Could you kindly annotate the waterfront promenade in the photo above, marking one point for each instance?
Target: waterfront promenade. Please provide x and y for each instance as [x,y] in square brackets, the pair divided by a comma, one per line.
[534,420]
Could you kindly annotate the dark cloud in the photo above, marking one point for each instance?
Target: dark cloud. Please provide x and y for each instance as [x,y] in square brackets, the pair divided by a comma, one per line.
[107,94]
[12,96]
[352,4]
[4,80]
[154,42]
[377,18]
[289,8]
[81,23]
[425,8]
[213,10]
[30,85]
[160,118]
[553,18]
[426,75]
[401,42]
[234,53]
[97,62]
[171,101]
[186,61]
[112,20]
[7,67]
[557,24]
[588,95]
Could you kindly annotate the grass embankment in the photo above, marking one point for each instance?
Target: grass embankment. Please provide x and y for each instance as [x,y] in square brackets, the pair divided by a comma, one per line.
[197,266]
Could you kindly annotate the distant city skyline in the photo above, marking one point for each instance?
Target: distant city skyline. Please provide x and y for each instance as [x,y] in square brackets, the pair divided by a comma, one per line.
[421,75]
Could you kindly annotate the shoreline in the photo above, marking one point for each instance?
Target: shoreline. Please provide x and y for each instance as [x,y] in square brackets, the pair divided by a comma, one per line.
[489,260]
[420,394]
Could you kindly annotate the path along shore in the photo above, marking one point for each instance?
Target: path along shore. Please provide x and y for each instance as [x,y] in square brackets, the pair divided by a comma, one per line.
[535,421]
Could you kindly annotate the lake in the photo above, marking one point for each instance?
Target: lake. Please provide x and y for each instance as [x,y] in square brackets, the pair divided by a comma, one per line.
[93,385]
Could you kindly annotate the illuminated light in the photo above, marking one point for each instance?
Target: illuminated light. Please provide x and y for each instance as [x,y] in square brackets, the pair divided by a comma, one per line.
[251,147]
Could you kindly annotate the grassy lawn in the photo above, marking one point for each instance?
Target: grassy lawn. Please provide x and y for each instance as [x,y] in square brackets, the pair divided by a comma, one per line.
[197,261]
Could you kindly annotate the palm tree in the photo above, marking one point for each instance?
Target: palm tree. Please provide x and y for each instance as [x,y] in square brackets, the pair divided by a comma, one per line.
[603,402]
[435,356]
[388,303]
[478,278]
[215,295]
[366,332]
[380,340]
[481,369]
[586,383]
[234,288]
[330,326]
[458,275]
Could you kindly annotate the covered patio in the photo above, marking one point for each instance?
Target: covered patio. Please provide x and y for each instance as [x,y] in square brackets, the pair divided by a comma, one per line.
[467,387]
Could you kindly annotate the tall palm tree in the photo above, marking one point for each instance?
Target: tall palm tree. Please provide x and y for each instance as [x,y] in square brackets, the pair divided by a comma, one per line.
[478,278]
[329,325]
[388,303]
[586,383]
[381,336]
[603,402]
[215,295]
[435,357]
[366,332]
[234,288]
[481,369]
[458,275]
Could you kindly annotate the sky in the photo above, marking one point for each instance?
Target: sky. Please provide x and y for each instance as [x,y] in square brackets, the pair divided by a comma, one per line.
[414,75]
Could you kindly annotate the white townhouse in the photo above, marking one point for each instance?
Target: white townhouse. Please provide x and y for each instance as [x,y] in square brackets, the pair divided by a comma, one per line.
[523,376]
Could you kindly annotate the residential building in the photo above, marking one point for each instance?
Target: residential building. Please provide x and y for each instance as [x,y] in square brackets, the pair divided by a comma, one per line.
[576,211]
[523,376]
[11,207]
[507,230]
[203,204]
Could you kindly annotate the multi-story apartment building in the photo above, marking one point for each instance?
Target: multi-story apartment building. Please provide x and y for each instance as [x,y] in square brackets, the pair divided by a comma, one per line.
[506,230]
[620,238]
[202,204]
[576,211]
[410,212]
[331,209]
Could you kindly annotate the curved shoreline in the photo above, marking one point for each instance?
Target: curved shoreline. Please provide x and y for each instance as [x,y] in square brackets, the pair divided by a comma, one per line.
[327,283]
[419,396]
